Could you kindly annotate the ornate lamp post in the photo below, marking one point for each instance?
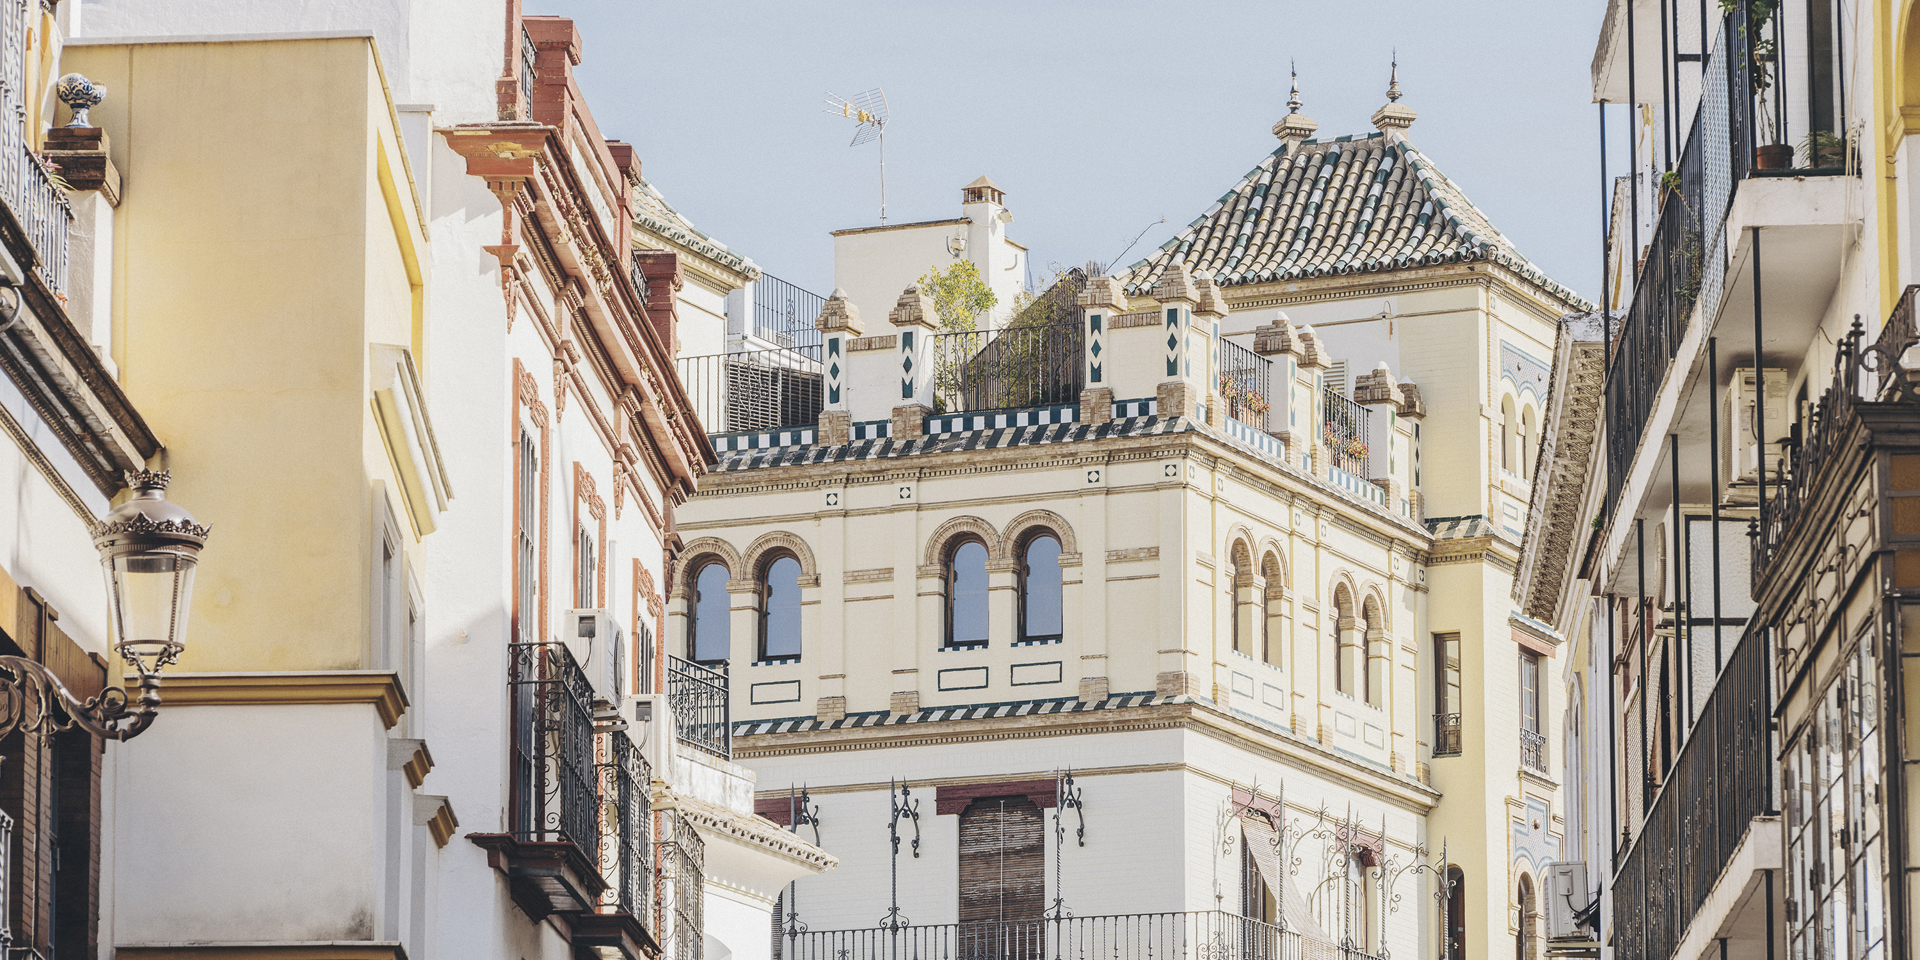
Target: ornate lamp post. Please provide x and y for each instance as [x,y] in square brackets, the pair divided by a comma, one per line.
[149,548]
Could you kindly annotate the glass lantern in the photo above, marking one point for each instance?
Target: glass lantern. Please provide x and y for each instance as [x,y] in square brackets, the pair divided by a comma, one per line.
[149,547]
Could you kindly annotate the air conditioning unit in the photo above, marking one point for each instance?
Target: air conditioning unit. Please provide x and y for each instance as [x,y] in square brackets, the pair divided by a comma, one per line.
[1740,450]
[598,645]
[1569,910]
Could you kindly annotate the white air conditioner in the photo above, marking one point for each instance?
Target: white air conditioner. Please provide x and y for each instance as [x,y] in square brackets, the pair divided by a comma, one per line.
[1740,449]
[598,645]
[1567,901]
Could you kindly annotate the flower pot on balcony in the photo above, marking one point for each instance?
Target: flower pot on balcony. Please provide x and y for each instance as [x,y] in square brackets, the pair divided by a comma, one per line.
[1773,156]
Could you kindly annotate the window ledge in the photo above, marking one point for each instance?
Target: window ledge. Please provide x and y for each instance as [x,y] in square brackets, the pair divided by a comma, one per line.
[776,662]
[1043,641]
[959,647]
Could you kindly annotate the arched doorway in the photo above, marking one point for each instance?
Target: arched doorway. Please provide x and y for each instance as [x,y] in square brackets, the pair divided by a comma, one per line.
[1454,922]
[1523,942]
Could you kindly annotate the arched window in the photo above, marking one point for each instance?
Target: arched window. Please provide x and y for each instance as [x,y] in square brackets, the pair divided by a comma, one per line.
[1233,601]
[1529,442]
[780,608]
[1508,423]
[1523,942]
[1345,656]
[710,635]
[1040,614]
[1272,639]
[1372,689]
[967,594]
[1453,921]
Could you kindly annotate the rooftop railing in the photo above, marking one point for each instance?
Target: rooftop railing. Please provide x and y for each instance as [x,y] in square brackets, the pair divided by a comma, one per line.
[1198,935]
[785,314]
[697,696]
[1345,433]
[1245,384]
[755,389]
[1028,366]
[554,793]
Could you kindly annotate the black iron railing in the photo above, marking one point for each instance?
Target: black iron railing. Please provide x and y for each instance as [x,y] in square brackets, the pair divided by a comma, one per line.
[1198,935]
[554,793]
[1812,445]
[755,389]
[528,55]
[785,314]
[1446,734]
[26,185]
[626,822]
[1533,750]
[683,867]
[639,278]
[1344,432]
[1724,778]
[1016,367]
[1244,384]
[697,696]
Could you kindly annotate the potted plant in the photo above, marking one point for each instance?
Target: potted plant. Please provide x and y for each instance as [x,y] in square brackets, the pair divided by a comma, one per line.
[1824,148]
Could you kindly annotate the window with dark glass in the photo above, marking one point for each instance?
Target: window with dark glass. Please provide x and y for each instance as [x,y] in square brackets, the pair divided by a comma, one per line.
[710,635]
[529,573]
[1040,614]
[967,594]
[588,576]
[1446,695]
[780,609]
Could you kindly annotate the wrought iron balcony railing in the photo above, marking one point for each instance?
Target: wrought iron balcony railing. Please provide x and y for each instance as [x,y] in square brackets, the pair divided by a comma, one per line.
[697,696]
[626,818]
[528,56]
[785,314]
[1861,371]
[553,792]
[1446,734]
[1245,384]
[755,389]
[26,185]
[1016,367]
[1724,778]
[1198,935]
[683,870]
[1345,433]
[1533,750]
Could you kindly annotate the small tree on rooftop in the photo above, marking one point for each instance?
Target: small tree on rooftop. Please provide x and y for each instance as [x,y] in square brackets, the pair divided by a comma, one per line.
[960,296]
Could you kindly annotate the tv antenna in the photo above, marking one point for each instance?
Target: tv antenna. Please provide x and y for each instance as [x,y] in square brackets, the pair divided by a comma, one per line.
[869,110]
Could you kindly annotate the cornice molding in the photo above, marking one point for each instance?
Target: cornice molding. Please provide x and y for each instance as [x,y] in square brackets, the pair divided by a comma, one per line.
[379,688]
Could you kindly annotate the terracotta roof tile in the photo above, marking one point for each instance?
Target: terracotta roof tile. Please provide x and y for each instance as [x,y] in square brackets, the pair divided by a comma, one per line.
[1331,208]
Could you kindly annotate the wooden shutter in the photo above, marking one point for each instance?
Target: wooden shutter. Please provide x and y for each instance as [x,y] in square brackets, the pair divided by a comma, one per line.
[1002,860]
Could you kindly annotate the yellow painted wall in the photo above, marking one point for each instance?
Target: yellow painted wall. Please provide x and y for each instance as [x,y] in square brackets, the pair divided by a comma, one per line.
[257,258]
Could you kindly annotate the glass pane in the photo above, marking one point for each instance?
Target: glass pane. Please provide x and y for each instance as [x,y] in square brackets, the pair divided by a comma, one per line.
[780,621]
[712,633]
[967,594]
[1040,597]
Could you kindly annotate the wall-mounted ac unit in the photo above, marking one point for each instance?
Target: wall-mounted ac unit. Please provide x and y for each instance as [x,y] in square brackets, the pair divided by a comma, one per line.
[1568,906]
[598,646]
[1740,449]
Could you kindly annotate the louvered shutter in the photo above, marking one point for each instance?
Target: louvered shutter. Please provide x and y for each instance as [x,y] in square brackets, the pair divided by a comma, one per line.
[1002,860]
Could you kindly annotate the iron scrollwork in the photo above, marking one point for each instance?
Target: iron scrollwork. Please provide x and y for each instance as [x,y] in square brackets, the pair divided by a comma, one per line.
[904,807]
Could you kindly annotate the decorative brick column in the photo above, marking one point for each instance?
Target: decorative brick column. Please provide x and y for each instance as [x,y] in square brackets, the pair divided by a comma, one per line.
[1178,395]
[1204,335]
[839,322]
[914,322]
[1101,301]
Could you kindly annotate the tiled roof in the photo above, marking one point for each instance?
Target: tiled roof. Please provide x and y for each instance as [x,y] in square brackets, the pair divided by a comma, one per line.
[1350,205]
[653,213]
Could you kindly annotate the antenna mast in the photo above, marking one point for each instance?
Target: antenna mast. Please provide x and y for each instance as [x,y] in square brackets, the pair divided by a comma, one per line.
[869,110]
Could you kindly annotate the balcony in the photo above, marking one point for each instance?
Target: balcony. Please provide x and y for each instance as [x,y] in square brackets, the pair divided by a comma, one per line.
[683,875]
[618,928]
[1198,935]
[755,390]
[697,697]
[1245,384]
[1446,734]
[1533,751]
[1700,820]
[1032,366]
[784,314]
[551,850]
[1862,372]
[1345,430]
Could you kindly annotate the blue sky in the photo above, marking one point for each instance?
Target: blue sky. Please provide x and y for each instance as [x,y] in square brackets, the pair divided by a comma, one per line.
[1097,118]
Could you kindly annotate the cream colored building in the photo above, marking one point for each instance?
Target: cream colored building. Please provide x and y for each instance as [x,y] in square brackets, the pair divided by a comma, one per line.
[1241,563]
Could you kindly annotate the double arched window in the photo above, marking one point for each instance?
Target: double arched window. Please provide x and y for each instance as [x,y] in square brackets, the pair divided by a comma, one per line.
[779,608]
[1040,582]
[966,576]
[709,633]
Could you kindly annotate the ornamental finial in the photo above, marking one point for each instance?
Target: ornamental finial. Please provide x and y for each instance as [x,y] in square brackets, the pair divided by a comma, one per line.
[1393,79]
[1293,100]
[80,95]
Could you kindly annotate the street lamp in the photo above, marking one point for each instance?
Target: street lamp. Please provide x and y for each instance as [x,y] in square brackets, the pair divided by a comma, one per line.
[149,548]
